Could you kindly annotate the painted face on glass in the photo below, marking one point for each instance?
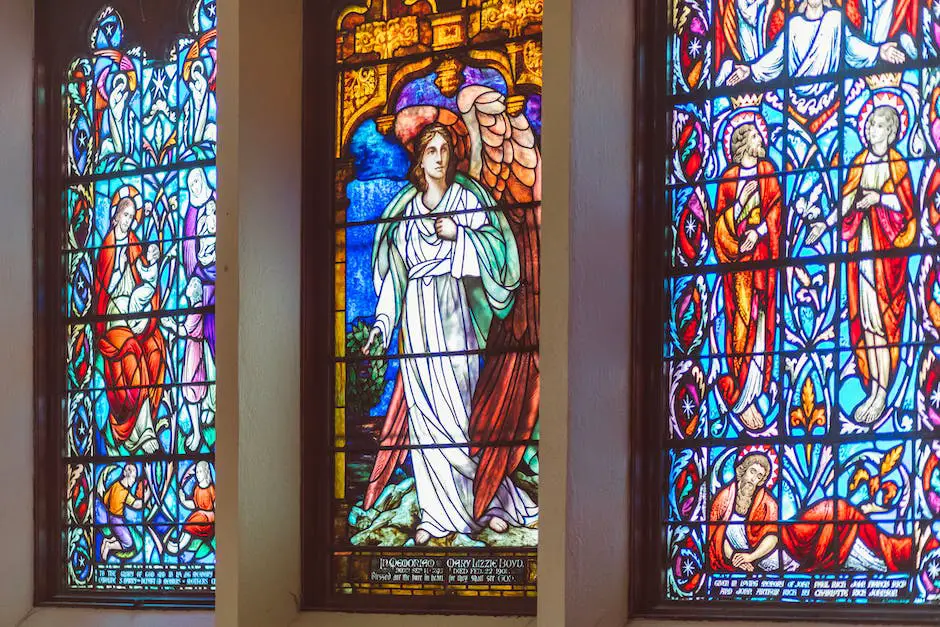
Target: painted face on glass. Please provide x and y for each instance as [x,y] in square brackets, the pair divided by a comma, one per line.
[124,216]
[130,473]
[880,128]
[119,88]
[752,479]
[203,476]
[194,293]
[435,159]
[755,143]
[197,80]
[198,189]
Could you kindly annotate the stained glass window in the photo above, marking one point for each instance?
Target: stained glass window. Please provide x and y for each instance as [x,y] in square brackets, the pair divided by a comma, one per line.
[801,346]
[139,265]
[437,210]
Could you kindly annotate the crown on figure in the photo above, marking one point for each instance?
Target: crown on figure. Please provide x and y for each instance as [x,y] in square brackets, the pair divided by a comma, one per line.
[880,81]
[746,100]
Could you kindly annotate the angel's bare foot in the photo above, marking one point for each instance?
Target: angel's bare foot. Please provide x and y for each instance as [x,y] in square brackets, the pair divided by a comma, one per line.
[862,411]
[752,419]
[150,446]
[193,441]
[870,411]
[422,537]
[498,525]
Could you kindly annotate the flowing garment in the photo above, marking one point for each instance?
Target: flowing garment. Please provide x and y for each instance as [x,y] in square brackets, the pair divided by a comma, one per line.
[445,294]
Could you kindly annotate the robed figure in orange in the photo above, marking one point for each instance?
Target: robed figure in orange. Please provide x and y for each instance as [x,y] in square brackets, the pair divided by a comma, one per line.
[747,230]
[130,342]
[201,522]
[877,215]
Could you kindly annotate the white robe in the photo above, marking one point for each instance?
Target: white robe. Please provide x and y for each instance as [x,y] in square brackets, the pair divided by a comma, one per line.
[436,318]
[816,48]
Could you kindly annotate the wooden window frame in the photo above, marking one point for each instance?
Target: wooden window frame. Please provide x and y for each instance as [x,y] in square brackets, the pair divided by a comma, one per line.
[317,232]
[61,34]
[647,483]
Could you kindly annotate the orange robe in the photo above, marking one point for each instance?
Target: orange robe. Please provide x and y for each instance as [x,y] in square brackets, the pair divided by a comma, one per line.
[889,229]
[747,292]
[132,361]
[201,522]
[760,522]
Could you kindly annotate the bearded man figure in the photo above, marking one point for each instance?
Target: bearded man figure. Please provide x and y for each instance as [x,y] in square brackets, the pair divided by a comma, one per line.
[747,229]
[747,534]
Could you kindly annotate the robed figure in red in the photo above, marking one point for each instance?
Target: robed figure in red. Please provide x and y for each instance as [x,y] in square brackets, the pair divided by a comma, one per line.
[129,341]
[877,217]
[747,231]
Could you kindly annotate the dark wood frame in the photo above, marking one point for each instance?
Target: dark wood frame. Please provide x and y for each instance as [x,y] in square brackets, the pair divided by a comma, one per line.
[61,34]
[317,232]
[647,388]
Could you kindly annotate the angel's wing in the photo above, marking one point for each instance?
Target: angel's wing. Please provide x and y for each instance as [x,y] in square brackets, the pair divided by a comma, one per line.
[392,439]
[505,157]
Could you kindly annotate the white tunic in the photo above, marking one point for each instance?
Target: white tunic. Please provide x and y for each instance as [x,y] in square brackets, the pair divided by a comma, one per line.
[815,49]
[436,318]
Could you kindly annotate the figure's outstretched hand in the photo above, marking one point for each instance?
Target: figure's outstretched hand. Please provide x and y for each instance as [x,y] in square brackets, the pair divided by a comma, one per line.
[153,253]
[373,336]
[741,73]
[815,232]
[891,53]
[446,228]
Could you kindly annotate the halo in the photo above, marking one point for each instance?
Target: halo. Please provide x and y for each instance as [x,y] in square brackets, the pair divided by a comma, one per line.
[881,99]
[739,119]
[128,191]
[411,121]
[771,456]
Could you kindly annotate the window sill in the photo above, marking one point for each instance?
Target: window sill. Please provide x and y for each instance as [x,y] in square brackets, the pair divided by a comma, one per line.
[88,617]
[339,619]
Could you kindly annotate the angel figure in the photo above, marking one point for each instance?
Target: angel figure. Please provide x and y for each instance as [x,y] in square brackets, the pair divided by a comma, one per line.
[458,275]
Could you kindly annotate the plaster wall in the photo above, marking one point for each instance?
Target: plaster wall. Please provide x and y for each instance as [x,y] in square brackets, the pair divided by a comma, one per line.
[16,310]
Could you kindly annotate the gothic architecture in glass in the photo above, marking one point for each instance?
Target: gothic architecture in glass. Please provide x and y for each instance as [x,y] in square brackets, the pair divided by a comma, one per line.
[138,248]
[801,346]
[437,212]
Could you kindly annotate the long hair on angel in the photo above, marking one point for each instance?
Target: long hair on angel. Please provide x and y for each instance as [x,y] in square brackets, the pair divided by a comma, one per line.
[455,273]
